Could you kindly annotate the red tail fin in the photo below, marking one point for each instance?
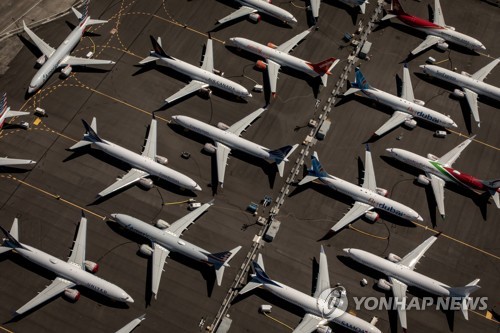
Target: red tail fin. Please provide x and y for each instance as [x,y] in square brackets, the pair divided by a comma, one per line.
[396,7]
[322,67]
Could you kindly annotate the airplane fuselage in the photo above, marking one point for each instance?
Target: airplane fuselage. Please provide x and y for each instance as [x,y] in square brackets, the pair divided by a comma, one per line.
[463,81]
[268,8]
[74,273]
[371,198]
[414,109]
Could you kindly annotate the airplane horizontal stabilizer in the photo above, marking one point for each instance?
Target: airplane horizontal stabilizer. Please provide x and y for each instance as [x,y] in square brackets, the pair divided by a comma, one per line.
[4,249]
[251,285]
[307,179]
[281,155]
[92,21]
[351,91]
[465,291]
[496,198]
[223,261]
[388,17]
[148,59]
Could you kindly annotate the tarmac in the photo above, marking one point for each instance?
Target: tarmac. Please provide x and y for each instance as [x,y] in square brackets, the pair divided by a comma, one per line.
[48,197]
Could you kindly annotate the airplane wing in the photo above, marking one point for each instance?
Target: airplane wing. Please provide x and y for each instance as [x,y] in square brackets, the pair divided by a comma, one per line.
[472,101]
[323,282]
[241,125]
[5,161]
[222,154]
[407,91]
[308,324]
[369,181]
[134,175]
[273,69]
[57,286]
[287,46]
[10,114]
[428,42]
[396,119]
[77,61]
[411,259]
[160,254]
[208,57]
[192,87]
[178,227]
[46,49]
[356,211]
[450,157]
[438,14]
[131,325]
[399,292]
[315,7]
[150,147]
[244,10]
[438,189]
[483,72]
[78,251]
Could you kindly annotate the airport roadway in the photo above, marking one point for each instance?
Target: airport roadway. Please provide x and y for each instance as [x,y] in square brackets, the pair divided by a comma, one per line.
[48,198]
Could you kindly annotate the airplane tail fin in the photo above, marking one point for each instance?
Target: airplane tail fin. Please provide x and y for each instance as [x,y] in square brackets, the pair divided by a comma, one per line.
[316,171]
[84,17]
[323,68]
[157,48]
[464,292]
[90,135]
[280,156]
[11,238]
[259,278]
[396,9]
[359,83]
[222,260]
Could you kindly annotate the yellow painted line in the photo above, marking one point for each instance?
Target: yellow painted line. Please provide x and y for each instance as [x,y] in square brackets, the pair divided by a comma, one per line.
[175,203]
[367,233]
[490,317]
[6,330]
[297,6]
[475,140]
[188,28]
[440,62]
[278,321]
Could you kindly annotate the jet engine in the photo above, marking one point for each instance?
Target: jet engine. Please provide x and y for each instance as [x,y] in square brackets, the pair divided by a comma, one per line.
[41,60]
[146,183]
[146,250]
[91,266]
[66,71]
[254,17]
[271,45]
[206,92]
[222,126]
[394,258]
[382,191]
[162,160]
[465,73]
[261,64]
[372,216]
[410,123]
[384,284]
[432,157]
[419,102]
[72,294]
[209,148]
[269,1]
[162,224]
[458,93]
[443,46]
[421,179]
[323,329]
[217,72]
[450,27]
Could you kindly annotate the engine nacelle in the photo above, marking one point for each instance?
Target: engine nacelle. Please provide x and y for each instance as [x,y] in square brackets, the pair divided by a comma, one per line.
[41,60]
[146,250]
[458,93]
[382,191]
[162,160]
[372,216]
[465,73]
[209,148]
[66,71]
[442,46]
[383,284]
[450,27]
[271,45]
[146,183]
[323,329]
[410,123]
[162,224]
[217,72]
[254,17]
[432,157]
[222,126]
[206,92]
[421,179]
[261,64]
[419,102]
[72,294]
[394,258]
[269,1]
[91,266]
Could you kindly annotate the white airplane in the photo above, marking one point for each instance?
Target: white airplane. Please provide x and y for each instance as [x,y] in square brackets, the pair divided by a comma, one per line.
[406,107]
[60,57]
[316,318]
[6,112]
[165,238]
[438,171]
[401,275]
[147,164]
[253,7]
[353,3]
[438,33]
[228,137]
[471,85]
[69,274]
[277,56]
[366,197]
[201,77]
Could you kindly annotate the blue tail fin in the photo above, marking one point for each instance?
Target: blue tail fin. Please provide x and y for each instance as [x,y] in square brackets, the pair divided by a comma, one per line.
[261,275]
[316,168]
[360,81]
[158,49]
[91,131]
[281,153]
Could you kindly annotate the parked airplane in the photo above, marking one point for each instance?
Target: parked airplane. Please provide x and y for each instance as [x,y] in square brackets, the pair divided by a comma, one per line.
[277,56]
[69,274]
[315,320]
[406,107]
[6,112]
[60,57]
[253,7]
[401,275]
[165,238]
[5,161]
[438,171]
[471,85]
[201,77]
[353,3]
[146,165]
[228,137]
[366,197]
[438,33]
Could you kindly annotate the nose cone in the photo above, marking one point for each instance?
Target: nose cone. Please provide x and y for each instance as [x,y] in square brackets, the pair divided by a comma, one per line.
[420,219]
[233,41]
[249,95]
[197,188]
[389,150]
[347,250]
[454,125]
[128,299]
[31,89]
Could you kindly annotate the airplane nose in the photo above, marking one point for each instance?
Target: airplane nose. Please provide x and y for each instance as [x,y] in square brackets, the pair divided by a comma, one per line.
[389,150]
[347,250]
[420,219]
[114,216]
[129,299]
[197,187]
[249,95]
[174,118]
[454,125]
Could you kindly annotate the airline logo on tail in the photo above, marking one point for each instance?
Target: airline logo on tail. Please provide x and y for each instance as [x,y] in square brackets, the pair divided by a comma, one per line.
[85,12]
[317,169]
[323,67]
